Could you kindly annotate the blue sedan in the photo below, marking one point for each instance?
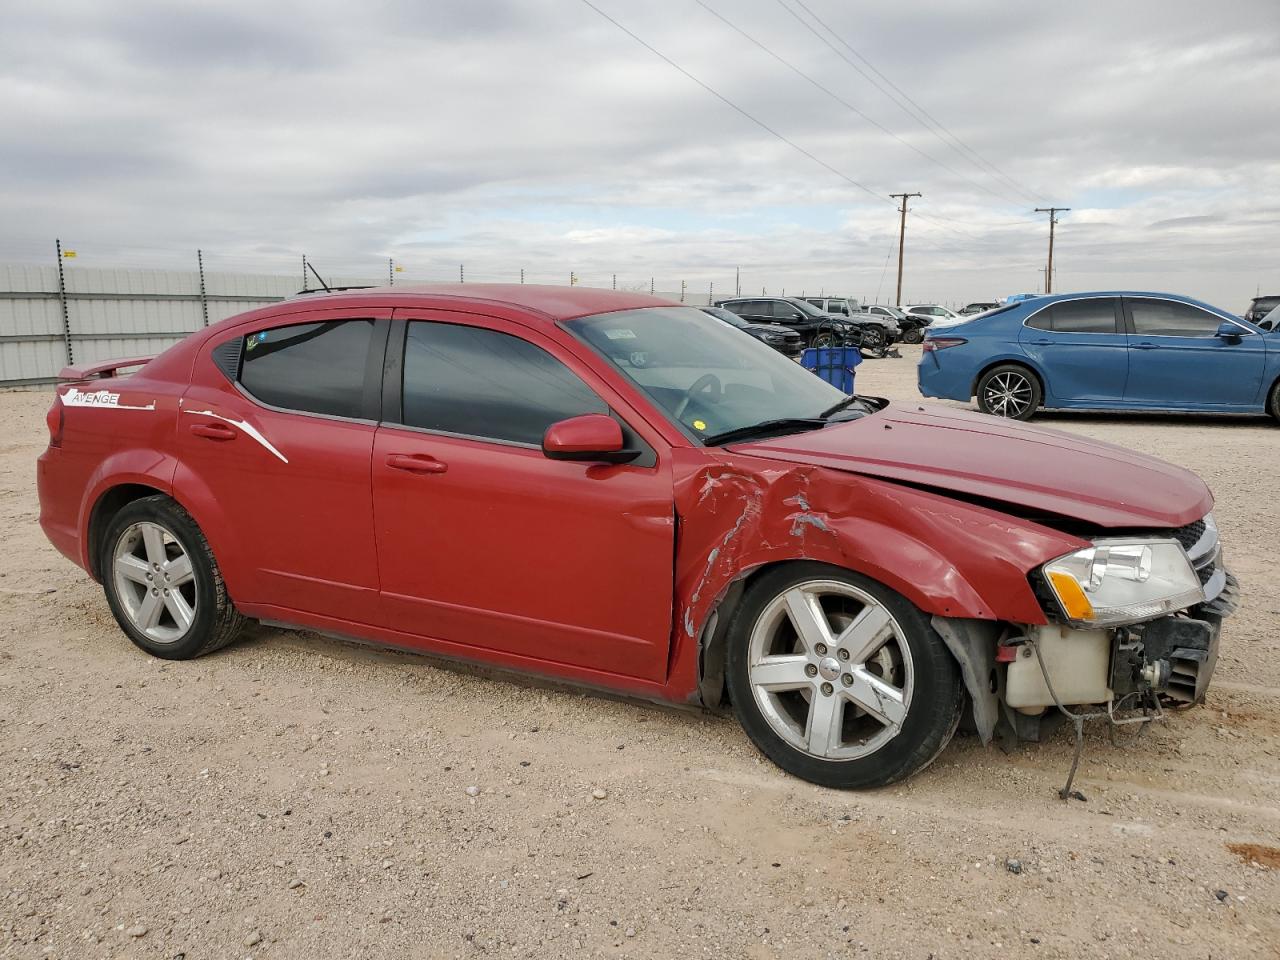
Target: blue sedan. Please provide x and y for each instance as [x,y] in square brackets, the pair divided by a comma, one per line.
[1105,351]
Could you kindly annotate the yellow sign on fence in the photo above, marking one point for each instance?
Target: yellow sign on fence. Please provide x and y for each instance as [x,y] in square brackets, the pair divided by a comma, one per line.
[69,254]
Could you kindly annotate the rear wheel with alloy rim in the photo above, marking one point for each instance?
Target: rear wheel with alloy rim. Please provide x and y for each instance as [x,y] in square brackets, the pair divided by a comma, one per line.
[1009,390]
[162,582]
[840,680]
[912,334]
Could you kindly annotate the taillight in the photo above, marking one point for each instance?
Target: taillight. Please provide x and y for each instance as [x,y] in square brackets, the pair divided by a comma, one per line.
[55,419]
[933,344]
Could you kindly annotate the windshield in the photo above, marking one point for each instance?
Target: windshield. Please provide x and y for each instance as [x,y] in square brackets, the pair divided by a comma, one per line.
[708,378]
[891,311]
[728,316]
[808,308]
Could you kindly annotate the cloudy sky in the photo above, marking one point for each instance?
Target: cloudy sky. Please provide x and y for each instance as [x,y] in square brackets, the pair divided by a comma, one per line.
[538,134]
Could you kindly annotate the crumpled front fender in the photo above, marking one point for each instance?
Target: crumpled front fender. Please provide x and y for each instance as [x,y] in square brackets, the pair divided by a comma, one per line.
[950,558]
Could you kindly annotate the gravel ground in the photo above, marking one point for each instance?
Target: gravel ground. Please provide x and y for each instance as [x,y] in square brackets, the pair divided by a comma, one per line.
[293,796]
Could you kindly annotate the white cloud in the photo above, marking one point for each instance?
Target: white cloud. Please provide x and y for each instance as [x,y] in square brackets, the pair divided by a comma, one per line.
[534,134]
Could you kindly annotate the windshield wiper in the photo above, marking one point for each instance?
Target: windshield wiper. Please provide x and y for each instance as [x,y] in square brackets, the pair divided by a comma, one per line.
[835,408]
[764,426]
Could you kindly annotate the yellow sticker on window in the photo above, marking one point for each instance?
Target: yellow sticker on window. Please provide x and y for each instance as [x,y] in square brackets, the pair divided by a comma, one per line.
[699,425]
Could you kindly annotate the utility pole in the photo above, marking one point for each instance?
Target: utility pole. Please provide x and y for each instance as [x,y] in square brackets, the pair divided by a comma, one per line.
[204,297]
[737,281]
[1053,222]
[902,236]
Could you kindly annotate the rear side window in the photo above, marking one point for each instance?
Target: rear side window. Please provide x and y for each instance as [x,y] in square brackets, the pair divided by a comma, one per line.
[311,367]
[1084,316]
[1169,318]
[482,383]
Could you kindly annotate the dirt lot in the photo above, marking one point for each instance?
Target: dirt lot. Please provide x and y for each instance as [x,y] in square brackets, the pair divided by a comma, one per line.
[297,797]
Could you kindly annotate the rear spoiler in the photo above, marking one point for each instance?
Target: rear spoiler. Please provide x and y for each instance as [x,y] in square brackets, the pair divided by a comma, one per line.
[106,368]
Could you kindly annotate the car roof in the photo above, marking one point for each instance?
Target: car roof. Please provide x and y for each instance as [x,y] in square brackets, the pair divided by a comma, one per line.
[1043,299]
[551,302]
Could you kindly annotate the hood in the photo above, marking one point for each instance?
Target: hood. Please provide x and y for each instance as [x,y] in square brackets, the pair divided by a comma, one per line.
[1002,460]
[775,329]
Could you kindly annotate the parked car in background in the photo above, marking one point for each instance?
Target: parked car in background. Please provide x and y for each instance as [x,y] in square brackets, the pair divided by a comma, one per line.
[980,306]
[934,311]
[786,341]
[911,326]
[1105,351]
[1259,307]
[815,327]
[407,466]
[848,307]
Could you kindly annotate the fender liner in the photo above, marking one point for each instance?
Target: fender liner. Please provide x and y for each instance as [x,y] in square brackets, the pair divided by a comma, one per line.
[973,644]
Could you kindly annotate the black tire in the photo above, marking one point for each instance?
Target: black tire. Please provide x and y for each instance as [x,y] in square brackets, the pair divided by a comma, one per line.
[873,340]
[932,714]
[913,335]
[1011,391]
[823,340]
[1273,401]
[215,621]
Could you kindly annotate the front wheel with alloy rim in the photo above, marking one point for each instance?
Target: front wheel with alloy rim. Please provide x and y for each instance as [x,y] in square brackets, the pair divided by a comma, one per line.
[162,582]
[840,680]
[1009,390]
[912,334]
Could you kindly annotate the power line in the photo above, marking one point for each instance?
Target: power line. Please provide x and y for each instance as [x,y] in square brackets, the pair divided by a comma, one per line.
[923,117]
[760,123]
[845,103]
[729,103]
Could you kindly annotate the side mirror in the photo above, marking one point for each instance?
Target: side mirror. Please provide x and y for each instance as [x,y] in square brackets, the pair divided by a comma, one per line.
[1229,331]
[592,437]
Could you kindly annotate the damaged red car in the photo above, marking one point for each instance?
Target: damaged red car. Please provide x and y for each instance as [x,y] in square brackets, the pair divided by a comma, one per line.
[613,490]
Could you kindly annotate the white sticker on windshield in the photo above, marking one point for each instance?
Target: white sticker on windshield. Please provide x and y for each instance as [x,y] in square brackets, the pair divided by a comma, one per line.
[621,334]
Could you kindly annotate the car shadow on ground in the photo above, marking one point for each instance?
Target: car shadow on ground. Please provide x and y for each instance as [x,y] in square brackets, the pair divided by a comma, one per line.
[356,651]
[1129,417]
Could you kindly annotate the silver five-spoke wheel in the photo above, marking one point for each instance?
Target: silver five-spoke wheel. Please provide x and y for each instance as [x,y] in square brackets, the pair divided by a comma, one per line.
[829,670]
[154,582]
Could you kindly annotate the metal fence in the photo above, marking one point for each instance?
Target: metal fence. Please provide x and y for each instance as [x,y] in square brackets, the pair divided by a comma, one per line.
[122,303]
[54,316]
[50,317]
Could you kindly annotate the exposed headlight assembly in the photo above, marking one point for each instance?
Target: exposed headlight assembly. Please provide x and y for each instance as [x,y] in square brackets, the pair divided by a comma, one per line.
[1123,581]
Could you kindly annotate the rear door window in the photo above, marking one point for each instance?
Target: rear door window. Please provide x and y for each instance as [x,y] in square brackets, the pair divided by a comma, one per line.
[1093,315]
[309,367]
[481,383]
[1171,318]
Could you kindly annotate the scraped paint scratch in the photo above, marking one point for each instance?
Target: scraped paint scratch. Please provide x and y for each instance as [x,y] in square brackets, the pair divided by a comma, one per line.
[248,428]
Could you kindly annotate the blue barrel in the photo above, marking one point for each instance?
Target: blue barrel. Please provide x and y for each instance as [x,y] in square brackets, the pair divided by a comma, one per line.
[833,364]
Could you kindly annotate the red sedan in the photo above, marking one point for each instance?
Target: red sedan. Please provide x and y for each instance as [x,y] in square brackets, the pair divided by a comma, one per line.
[618,491]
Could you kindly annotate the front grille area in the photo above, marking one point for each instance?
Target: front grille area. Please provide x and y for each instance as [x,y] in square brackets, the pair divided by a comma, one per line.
[1189,535]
